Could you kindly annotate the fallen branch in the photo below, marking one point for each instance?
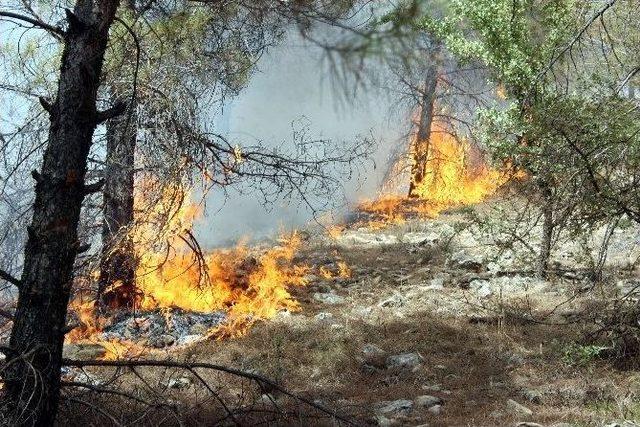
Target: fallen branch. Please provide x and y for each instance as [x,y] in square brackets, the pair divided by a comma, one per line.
[264,382]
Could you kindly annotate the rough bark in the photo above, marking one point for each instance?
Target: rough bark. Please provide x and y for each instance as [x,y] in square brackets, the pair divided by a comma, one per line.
[116,288]
[33,378]
[425,120]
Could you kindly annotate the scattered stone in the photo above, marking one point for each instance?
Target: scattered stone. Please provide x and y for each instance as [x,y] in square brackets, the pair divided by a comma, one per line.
[517,408]
[435,409]
[394,301]
[83,351]
[323,317]
[404,360]
[162,341]
[533,396]
[435,284]
[328,298]
[466,261]
[481,287]
[179,383]
[374,355]
[401,406]
[427,401]
[383,421]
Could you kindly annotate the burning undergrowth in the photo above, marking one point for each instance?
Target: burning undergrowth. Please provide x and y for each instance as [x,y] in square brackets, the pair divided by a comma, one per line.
[452,173]
[185,294]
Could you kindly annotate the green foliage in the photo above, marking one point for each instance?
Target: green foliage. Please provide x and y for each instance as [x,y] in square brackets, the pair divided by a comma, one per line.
[582,355]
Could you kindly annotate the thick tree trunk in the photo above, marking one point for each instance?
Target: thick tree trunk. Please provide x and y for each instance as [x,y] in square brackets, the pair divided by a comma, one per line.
[421,142]
[547,229]
[33,379]
[116,288]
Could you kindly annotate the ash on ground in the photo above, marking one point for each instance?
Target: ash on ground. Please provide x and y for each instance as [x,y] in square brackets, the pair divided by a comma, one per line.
[161,329]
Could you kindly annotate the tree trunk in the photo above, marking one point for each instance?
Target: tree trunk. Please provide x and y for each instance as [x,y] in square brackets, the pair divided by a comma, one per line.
[116,288]
[33,379]
[547,229]
[421,142]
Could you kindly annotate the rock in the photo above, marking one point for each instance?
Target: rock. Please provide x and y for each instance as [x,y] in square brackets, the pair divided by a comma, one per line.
[435,284]
[323,317]
[435,409]
[83,351]
[404,360]
[518,409]
[383,421]
[533,396]
[394,301]
[374,355]
[481,287]
[162,341]
[466,261]
[528,424]
[427,401]
[179,383]
[328,298]
[401,406]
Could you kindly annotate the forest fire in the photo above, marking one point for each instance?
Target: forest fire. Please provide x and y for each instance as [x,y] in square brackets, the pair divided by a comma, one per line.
[238,286]
[452,173]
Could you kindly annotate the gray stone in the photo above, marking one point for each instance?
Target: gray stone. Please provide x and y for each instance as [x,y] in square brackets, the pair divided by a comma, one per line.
[374,355]
[533,396]
[383,421]
[481,287]
[435,409]
[83,351]
[466,261]
[404,360]
[328,298]
[394,301]
[162,341]
[518,409]
[323,317]
[179,383]
[435,284]
[400,406]
[427,401]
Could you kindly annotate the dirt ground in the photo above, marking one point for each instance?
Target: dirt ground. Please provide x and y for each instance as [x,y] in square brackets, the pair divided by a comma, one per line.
[495,357]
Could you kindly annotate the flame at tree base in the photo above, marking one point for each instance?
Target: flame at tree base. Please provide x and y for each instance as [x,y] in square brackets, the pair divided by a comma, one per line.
[247,285]
[453,174]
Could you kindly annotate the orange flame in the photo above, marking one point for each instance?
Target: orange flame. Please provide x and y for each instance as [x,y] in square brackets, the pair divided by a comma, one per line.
[455,175]
[247,284]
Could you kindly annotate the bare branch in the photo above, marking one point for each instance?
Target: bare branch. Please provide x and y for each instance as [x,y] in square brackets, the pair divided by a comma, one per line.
[10,278]
[35,22]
